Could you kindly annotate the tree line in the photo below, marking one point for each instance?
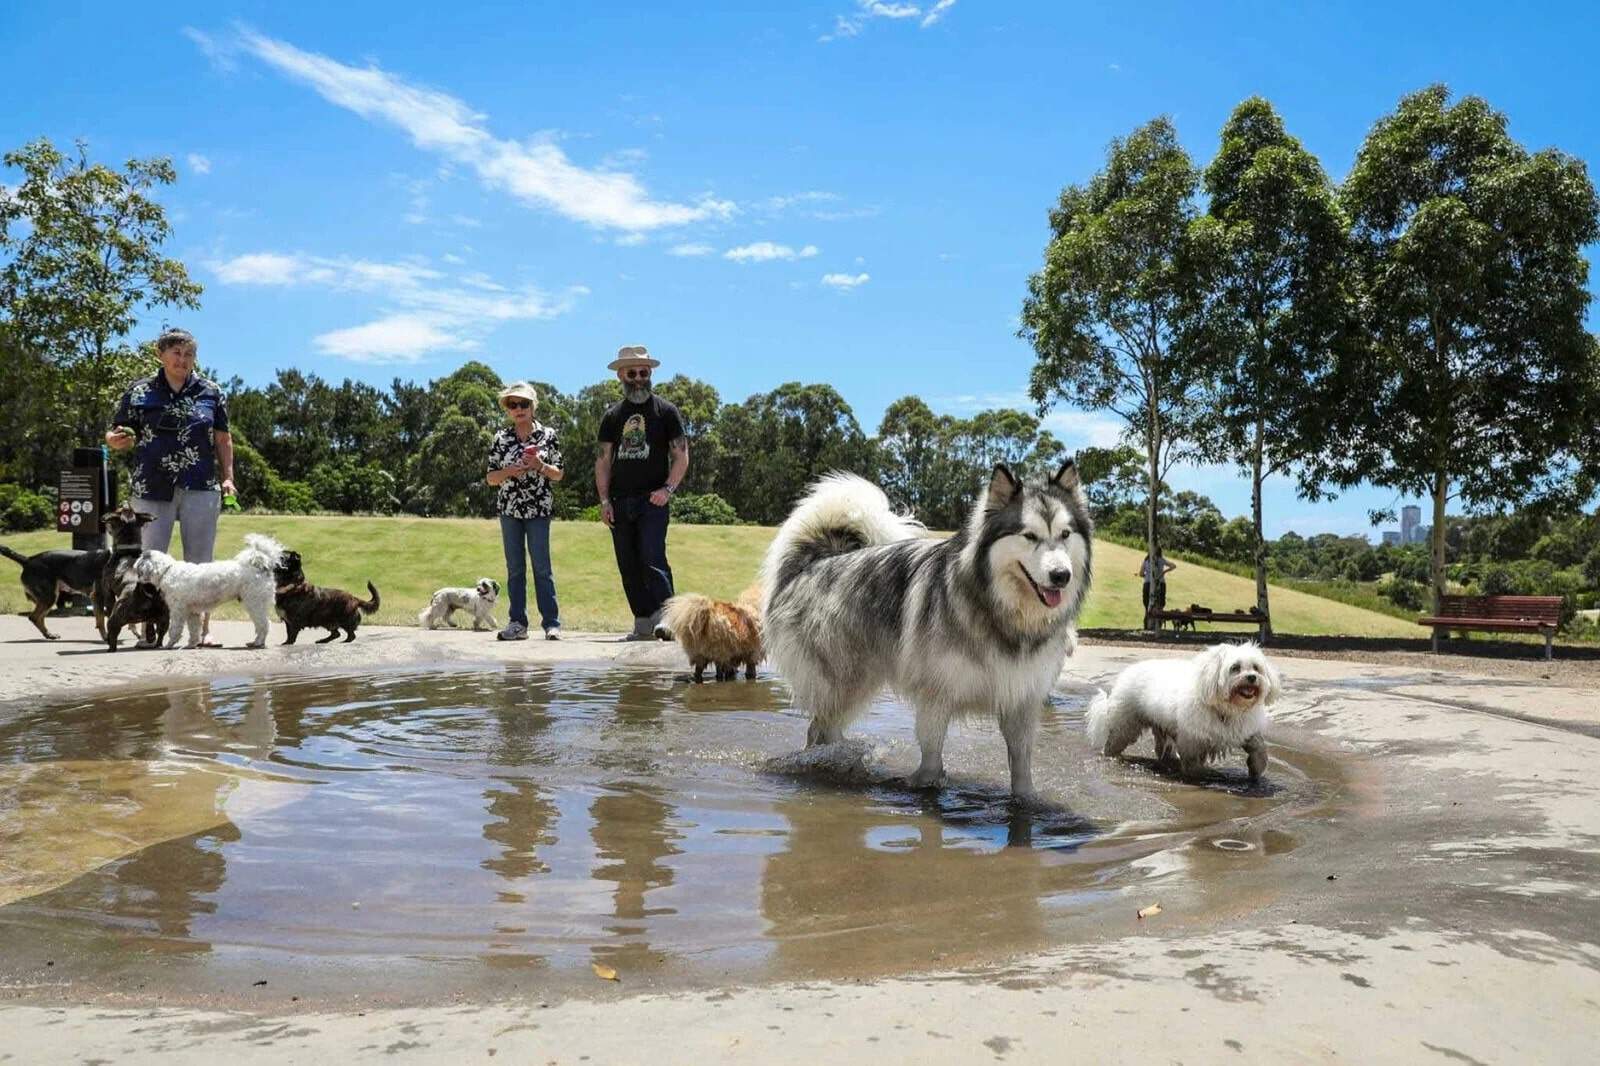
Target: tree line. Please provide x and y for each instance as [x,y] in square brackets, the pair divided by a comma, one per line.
[1418,326]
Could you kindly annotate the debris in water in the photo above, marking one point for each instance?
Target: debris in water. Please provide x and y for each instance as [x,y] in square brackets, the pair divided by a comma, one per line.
[604,972]
[1150,911]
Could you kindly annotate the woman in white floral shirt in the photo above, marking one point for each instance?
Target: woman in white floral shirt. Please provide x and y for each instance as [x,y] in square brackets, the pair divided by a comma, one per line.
[524,458]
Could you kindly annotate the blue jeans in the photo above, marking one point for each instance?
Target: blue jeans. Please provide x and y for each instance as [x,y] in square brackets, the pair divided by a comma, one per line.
[535,533]
[639,537]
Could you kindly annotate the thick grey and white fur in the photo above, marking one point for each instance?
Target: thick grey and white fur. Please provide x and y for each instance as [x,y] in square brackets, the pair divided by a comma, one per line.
[976,625]
[477,601]
[192,590]
[1197,709]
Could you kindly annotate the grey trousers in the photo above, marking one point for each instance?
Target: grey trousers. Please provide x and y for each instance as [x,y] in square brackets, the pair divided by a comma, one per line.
[196,510]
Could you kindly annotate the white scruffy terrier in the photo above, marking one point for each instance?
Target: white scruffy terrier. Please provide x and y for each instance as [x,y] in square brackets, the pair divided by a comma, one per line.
[192,590]
[477,601]
[1196,709]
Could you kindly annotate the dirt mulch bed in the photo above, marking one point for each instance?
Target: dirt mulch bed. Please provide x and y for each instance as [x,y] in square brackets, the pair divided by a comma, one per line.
[1576,665]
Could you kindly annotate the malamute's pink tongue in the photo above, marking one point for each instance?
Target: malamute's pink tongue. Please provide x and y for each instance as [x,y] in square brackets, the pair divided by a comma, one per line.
[1051,597]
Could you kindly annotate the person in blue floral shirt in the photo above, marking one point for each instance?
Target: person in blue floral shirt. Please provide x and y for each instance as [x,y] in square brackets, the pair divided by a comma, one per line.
[177,423]
[524,459]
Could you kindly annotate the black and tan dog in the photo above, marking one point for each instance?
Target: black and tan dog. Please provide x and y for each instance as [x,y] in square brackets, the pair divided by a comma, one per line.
[142,602]
[303,605]
[86,573]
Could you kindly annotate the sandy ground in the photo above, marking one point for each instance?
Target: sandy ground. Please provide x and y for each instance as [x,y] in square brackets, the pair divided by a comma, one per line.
[1477,940]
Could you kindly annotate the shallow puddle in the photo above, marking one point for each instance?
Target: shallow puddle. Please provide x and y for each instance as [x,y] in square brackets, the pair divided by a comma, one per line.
[398,830]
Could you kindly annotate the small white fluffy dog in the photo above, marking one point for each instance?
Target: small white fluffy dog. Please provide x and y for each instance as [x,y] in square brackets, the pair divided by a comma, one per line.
[194,589]
[1196,709]
[477,601]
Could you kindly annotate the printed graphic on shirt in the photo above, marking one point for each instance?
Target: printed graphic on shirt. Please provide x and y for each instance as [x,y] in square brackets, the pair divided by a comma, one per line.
[634,444]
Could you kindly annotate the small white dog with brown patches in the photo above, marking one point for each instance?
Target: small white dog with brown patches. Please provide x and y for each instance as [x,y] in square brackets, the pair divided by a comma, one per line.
[478,601]
[1196,709]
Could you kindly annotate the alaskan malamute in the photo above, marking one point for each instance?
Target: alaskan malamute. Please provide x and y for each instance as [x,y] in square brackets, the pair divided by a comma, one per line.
[978,624]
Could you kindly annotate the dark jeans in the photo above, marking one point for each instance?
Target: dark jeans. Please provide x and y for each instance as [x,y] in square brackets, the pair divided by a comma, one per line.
[639,535]
[535,533]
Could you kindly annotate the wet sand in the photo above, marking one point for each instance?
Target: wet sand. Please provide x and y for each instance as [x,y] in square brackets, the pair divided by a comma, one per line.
[1424,883]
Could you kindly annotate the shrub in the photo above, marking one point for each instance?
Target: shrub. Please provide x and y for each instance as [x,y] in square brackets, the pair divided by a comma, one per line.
[1403,592]
[22,510]
[706,509]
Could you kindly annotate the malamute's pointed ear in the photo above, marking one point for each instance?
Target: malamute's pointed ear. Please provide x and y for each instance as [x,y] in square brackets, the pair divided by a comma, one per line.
[1003,488]
[1066,478]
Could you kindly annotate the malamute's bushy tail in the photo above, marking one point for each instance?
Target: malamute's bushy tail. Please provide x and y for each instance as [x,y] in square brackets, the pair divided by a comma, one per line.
[1097,720]
[841,513]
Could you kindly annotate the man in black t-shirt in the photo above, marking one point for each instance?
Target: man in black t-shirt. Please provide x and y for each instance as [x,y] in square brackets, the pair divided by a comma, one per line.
[643,458]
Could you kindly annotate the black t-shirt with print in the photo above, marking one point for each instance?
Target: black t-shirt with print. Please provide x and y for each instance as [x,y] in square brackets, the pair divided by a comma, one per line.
[640,433]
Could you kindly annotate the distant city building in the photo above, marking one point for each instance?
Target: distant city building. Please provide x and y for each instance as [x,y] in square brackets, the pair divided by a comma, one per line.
[1410,518]
[1423,533]
[1391,536]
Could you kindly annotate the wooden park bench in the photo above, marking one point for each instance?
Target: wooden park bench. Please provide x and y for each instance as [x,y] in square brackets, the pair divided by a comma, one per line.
[1500,614]
[1195,613]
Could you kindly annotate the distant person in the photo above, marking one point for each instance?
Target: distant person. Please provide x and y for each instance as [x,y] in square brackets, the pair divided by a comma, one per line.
[643,458]
[177,423]
[1162,569]
[524,460]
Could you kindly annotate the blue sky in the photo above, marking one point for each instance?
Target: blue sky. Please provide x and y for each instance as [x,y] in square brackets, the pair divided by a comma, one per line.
[851,192]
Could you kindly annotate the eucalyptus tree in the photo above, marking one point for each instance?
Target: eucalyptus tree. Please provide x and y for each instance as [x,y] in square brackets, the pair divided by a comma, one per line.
[80,258]
[1272,253]
[1105,313]
[1480,372]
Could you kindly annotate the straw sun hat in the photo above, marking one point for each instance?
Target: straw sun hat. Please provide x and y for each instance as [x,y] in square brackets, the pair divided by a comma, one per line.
[632,355]
[522,391]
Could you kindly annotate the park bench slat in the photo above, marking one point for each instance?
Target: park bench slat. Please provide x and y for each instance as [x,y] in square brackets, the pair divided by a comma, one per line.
[1501,614]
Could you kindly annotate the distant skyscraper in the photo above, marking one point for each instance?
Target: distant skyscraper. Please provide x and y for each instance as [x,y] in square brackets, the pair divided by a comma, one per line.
[1391,536]
[1410,519]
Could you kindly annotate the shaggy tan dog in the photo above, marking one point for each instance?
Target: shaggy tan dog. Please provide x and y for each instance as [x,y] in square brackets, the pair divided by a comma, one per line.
[716,631]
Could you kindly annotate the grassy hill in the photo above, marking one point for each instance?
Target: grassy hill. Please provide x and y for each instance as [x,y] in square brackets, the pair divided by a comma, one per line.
[407,558]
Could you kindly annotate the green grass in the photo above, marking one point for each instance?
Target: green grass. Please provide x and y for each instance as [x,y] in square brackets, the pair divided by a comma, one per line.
[407,558]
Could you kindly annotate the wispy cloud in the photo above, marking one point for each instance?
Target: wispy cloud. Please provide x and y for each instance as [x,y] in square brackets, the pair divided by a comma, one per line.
[851,24]
[1078,429]
[690,249]
[428,310]
[536,172]
[220,53]
[199,163]
[845,281]
[767,251]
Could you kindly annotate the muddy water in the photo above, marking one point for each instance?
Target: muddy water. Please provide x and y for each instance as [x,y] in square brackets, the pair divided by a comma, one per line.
[399,834]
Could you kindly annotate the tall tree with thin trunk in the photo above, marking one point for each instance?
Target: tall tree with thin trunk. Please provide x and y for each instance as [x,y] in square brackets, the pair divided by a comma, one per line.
[1105,311]
[1272,252]
[1477,379]
[80,257]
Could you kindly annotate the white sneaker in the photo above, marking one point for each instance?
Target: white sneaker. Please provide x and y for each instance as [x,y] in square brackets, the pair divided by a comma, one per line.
[553,633]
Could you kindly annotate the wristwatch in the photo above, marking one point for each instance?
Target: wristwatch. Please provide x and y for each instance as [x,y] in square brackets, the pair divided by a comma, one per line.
[668,489]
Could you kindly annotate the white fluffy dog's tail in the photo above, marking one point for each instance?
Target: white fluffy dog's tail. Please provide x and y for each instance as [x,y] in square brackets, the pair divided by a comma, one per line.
[1097,720]
[840,513]
[422,616]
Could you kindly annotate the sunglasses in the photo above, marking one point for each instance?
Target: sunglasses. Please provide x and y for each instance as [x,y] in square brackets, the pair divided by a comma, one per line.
[635,375]
[517,405]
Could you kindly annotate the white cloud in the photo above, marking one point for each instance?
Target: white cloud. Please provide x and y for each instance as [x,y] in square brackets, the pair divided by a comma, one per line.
[630,240]
[428,310]
[851,24]
[536,172]
[766,252]
[199,163]
[402,338]
[220,53]
[690,249]
[1078,429]
[936,12]
[845,281]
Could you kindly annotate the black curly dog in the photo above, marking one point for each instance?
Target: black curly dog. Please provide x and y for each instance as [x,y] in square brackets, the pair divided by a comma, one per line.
[142,602]
[303,605]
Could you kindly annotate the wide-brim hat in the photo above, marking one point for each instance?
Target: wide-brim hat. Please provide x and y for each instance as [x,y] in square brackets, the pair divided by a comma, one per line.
[523,391]
[632,355]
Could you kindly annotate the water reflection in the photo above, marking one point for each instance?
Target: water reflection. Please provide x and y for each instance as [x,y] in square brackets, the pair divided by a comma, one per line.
[535,818]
